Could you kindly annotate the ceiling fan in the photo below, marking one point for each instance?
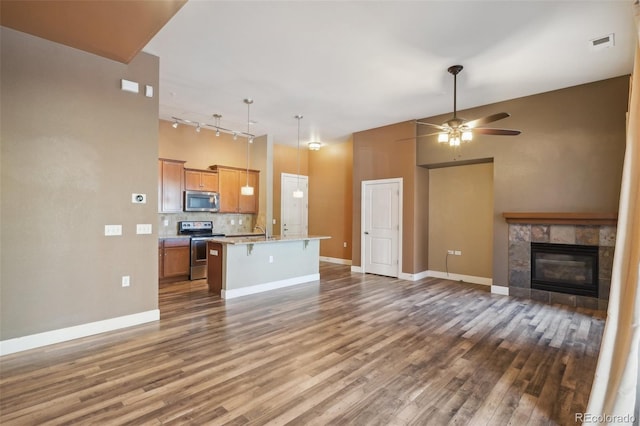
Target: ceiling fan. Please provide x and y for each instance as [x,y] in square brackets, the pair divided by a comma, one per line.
[458,130]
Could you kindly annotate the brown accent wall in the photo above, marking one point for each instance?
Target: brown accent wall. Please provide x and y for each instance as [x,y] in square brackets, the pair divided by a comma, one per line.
[567,159]
[331,198]
[285,160]
[461,218]
[390,152]
[74,149]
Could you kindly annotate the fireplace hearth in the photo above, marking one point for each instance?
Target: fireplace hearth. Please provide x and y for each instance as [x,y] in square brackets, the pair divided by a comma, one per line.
[565,268]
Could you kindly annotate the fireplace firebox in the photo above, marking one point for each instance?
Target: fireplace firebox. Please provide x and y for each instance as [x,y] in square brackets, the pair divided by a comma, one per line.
[565,268]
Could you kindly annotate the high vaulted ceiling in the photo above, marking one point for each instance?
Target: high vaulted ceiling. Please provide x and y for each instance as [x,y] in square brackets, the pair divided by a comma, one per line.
[355,65]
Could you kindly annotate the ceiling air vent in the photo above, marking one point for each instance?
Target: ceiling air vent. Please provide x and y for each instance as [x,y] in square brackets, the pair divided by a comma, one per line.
[602,42]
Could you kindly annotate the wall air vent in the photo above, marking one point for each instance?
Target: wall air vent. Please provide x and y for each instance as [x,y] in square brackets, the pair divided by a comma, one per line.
[602,42]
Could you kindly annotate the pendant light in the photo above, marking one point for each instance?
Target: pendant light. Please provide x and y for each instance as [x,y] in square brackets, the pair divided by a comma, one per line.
[248,190]
[298,192]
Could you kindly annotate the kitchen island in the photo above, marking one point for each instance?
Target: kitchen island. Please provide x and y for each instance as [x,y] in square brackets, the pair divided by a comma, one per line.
[238,266]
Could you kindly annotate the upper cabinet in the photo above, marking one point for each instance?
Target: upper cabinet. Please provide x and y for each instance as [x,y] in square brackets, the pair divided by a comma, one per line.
[170,185]
[200,180]
[230,180]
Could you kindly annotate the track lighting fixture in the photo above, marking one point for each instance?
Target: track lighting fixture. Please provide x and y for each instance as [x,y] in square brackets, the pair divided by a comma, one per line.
[199,125]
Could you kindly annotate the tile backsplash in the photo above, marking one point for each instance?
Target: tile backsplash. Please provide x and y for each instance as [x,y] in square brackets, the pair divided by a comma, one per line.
[222,223]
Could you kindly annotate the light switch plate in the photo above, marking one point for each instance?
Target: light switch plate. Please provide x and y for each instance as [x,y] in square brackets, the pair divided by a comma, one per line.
[148,91]
[143,228]
[112,230]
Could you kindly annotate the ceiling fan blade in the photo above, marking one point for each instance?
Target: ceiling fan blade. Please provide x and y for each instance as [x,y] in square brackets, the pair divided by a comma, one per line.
[437,126]
[499,132]
[488,119]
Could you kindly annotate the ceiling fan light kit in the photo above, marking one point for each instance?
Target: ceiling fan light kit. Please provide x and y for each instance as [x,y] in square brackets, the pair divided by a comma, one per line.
[458,130]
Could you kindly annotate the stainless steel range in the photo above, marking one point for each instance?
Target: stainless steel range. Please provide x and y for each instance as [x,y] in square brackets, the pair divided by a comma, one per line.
[200,232]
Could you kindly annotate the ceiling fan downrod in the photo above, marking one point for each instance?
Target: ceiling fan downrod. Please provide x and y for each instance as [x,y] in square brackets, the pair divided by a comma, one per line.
[455,69]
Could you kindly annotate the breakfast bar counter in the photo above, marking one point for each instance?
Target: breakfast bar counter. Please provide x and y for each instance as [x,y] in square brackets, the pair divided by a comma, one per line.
[238,266]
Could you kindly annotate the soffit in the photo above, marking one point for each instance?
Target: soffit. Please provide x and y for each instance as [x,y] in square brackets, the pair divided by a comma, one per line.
[116,30]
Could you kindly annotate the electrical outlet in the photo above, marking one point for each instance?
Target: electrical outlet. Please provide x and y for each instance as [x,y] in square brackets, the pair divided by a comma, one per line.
[344,244]
[449,251]
[112,230]
[458,253]
[239,221]
[270,259]
[274,221]
[125,281]
[233,222]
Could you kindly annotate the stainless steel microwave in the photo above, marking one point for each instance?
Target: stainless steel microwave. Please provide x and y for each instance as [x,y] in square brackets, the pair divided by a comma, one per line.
[200,201]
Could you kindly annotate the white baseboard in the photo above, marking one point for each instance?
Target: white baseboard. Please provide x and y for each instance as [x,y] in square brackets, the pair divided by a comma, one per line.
[498,289]
[460,277]
[335,260]
[24,343]
[259,288]
[356,269]
[414,277]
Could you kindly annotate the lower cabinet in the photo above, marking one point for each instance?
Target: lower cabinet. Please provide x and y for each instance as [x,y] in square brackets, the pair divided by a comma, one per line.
[174,259]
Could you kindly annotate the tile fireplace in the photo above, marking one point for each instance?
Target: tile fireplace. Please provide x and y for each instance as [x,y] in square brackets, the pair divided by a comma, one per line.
[563,262]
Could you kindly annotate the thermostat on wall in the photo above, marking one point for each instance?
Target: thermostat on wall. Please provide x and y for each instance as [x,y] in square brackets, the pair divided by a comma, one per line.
[138,198]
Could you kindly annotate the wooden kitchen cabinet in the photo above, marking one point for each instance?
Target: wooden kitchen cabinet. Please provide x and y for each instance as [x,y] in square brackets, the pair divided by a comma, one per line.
[170,185]
[174,259]
[200,180]
[230,180]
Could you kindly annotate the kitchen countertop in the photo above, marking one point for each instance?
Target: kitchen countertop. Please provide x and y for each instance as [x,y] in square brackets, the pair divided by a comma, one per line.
[260,239]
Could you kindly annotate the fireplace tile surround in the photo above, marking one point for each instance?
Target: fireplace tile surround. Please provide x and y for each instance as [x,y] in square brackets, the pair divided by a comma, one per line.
[521,235]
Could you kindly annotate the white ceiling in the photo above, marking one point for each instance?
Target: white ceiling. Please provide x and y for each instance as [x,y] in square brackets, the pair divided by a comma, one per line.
[354,65]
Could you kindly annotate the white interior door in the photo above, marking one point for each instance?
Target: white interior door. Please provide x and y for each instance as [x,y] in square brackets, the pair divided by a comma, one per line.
[381,208]
[295,211]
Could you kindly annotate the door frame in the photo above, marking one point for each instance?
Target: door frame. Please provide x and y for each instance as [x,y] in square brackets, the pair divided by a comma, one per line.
[363,212]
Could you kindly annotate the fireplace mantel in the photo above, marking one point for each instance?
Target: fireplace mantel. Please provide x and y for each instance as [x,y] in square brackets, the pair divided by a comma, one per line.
[561,218]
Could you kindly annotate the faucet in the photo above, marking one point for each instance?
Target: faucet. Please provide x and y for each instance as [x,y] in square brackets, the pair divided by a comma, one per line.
[266,237]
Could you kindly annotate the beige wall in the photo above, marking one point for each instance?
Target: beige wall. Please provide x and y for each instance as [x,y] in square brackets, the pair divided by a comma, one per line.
[567,159]
[331,198]
[390,152]
[74,149]
[202,149]
[461,218]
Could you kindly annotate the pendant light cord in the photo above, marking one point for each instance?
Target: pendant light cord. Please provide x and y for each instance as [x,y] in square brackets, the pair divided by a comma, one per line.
[248,102]
[298,183]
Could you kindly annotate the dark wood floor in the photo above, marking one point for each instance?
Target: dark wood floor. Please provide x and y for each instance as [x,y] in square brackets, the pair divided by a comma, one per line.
[352,349]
